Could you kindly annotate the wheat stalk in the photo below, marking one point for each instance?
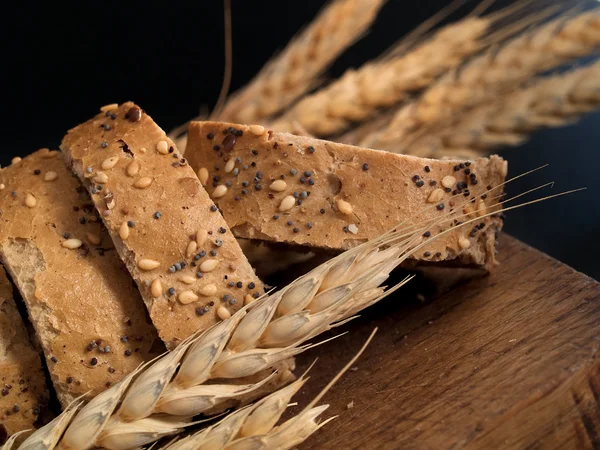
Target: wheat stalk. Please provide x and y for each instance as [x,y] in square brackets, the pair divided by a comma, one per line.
[488,75]
[359,93]
[161,398]
[253,427]
[296,68]
[549,102]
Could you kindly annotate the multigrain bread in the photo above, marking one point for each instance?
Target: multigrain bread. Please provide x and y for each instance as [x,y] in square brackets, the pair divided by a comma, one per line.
[23,391]
[87,313]
[298,190]
[189,268]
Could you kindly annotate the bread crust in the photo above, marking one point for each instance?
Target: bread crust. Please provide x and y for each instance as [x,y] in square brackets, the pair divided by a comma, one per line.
[23,391]
[80,300]
[154,189]
[346,194]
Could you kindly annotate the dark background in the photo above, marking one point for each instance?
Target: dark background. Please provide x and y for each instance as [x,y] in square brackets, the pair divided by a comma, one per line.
[63,61]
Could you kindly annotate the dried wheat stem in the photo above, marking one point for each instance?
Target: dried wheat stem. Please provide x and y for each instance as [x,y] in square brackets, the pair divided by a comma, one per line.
[140,410]
[358,94]
[549,102]
[296,69]
[488,75]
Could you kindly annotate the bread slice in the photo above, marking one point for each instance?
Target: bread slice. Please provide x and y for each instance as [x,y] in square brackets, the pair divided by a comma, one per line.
[345,194]
[23,391]
[86,311]
[189,268]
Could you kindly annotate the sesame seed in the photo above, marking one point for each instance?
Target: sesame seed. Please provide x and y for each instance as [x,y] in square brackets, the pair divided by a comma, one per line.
[229,165]
[124,230]
[287,203]
[127,352]
[191,249]
[440,206]
[222,230]
[30,201]
[171,291]
[223,313]
[162,147]
[448,181]
[296,230]
[101,178]
[209,265]
[256,130]
[93,238]
[203,175]
[322,211]
[109,163]
[427,254]
[106,127]
[420,183]
[278,185]
[148,264]
[276,216]
[258,187]
[54,359]
[463,242]
[208,290]
[213,208]
[187,297]
[254,152]
[309,225]
[72,243]
[344,207]
[293,171]
[436,195]
[199,274]
[143,182]
[156,288]
[427,169]
[427,234]
[94,361]
[157,215]
[133,168]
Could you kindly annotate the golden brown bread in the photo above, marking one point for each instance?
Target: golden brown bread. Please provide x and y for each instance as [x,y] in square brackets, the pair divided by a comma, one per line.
[175,234]
[23,391]
[85,309]
[345,195]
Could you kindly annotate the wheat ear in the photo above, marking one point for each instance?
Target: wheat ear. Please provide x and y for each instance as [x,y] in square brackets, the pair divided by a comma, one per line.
[253,427]
[296,68]
[549,102]
[486,76]
[148,405]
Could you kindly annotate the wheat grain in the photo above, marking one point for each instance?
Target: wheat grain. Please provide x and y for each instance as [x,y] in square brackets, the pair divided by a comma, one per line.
[295,70]
[253,427]
[549,102]
[486,76]
[273,328]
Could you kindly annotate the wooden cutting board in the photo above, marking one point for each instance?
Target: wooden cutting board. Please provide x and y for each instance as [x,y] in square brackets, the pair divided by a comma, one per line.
[505,361]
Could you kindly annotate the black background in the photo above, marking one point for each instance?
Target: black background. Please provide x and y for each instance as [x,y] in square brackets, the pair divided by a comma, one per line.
[63,61]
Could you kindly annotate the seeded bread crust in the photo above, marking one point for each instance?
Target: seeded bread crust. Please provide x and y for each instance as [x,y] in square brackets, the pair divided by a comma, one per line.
[22,382]
[345,194]
[75,296]
[154,189]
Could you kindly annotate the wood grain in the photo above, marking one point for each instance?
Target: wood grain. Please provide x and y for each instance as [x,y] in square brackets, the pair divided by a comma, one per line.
[505,361]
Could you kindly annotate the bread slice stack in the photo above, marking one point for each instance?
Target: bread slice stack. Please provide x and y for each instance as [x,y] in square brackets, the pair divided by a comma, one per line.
[280,187]
[187,264]
[87,313]
[23,390]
